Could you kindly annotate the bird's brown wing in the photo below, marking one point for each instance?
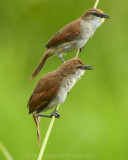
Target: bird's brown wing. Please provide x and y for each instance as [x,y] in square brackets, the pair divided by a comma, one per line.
[43,93]
[66,34]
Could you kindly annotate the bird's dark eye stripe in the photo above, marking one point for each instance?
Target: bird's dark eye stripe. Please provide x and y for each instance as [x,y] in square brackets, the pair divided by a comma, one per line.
[97,15]
[81,67]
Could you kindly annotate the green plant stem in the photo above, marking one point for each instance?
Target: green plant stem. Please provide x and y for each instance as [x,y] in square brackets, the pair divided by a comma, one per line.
[5,152]
[96,4]
[46,137]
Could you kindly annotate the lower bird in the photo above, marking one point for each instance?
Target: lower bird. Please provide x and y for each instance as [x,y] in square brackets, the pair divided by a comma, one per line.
[52,89]
[73,36]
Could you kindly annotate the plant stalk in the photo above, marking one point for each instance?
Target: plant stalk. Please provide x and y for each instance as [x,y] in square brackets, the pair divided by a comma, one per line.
[47,136]
[96,4]
[5,152]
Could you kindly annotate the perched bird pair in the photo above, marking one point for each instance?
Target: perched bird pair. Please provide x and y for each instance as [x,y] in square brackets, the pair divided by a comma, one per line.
[51,90]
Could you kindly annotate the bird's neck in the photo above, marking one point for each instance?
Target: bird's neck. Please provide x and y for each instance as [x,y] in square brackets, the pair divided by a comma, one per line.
[91,25]
[69,80]
[95,24]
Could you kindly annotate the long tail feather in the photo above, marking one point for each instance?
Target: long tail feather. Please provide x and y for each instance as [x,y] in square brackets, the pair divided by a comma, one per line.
[41,64]
[36,119]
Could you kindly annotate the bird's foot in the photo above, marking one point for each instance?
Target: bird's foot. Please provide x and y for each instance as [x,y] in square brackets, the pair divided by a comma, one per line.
[55,113]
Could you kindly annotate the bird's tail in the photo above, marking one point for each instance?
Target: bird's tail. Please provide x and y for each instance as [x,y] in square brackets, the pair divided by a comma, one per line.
[37,119]
[41,64]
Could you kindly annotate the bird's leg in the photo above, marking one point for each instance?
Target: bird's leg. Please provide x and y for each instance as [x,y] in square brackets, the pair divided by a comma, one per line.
[60,56]
[77,53]
[54,113]
[41,115]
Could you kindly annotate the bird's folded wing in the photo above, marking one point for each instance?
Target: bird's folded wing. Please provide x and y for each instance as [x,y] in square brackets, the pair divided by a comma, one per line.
[42,95]
[66,34]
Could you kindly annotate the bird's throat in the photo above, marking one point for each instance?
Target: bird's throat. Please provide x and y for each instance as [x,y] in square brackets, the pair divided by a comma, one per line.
[101,20]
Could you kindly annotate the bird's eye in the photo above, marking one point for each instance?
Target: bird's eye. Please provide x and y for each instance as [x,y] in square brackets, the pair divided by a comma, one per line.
[96,14]
[80,67]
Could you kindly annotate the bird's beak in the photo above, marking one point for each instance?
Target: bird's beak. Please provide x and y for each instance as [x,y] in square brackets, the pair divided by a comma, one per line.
[105,16]
[87,67]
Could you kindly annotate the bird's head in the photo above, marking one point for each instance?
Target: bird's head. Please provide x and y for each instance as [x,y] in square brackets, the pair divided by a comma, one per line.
[94,16]
[74,67]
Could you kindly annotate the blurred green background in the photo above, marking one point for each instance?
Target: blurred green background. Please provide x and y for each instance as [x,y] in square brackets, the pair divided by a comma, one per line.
[94,118]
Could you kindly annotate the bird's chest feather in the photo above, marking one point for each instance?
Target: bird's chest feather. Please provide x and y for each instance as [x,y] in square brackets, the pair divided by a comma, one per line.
[67,85]
[89,27]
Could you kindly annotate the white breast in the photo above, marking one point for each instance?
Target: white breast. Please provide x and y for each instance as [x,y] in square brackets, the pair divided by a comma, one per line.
[65,87]
[89,27]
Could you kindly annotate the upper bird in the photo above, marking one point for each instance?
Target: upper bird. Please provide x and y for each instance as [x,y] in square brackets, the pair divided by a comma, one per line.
[73,36]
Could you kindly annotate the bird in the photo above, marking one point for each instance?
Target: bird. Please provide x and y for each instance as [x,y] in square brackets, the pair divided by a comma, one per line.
[73,36]
[52,89]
